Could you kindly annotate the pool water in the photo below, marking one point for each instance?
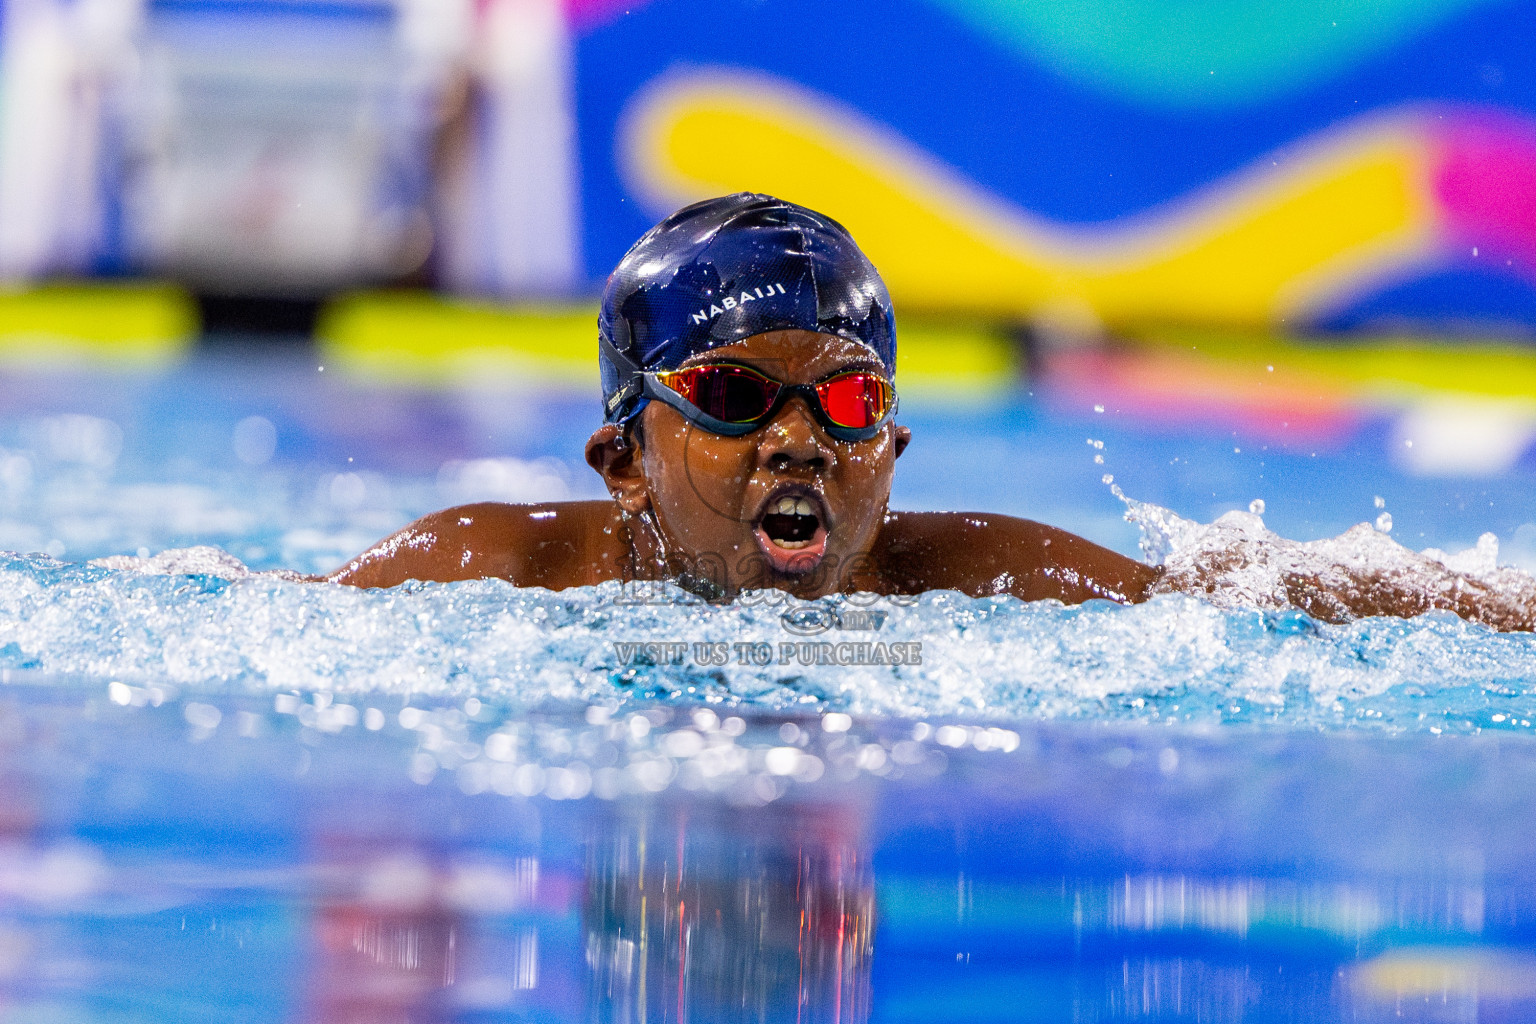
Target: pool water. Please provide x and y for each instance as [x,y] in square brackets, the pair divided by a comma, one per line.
[169,858]
[234,795]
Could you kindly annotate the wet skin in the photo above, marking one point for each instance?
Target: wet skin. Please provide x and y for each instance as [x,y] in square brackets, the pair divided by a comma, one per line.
[690,504]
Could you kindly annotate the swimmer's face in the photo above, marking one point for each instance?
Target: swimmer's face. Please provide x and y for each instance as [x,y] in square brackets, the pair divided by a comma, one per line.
[785,506]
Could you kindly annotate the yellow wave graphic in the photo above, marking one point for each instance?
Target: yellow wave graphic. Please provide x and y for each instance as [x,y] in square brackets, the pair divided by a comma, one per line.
[1290,234]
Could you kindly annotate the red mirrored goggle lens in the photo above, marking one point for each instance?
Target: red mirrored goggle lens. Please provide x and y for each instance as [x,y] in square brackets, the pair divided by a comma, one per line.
[855,400]
[731,393]
[736,394]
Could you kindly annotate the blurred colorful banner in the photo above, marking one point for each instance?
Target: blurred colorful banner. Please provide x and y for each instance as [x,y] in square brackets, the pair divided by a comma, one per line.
[1069,166]
[1078,163]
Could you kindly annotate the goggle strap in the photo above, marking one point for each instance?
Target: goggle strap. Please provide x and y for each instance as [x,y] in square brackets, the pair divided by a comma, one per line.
[629,371]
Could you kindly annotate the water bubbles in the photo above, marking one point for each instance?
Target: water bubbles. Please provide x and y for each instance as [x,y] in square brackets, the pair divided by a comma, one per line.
[1464,436]
[653,774]
[202,716]
[682,743]
[254,440]
[872,758]
[423,768]
[1384,522]
[15,473]
[501,746]
[951,736]
[85,440]
[1380,501]
[782,760]
[346,490]
[1256,506]
[994,738]
[513,480]
[525,780]
[1119,757]
[570,782]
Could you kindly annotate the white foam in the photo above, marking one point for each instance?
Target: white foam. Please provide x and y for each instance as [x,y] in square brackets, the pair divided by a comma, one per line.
[202,560]
[198,620]
[1236,562]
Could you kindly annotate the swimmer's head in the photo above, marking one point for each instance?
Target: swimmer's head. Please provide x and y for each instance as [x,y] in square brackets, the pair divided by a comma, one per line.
[767,339]
[726,269]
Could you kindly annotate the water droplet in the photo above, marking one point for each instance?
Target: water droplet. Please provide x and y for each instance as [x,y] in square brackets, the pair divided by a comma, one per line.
[1384,522]
[1098,408]
[1256,506]
[1380,501]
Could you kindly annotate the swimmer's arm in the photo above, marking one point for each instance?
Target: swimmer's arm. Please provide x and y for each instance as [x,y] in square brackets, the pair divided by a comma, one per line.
[1339,591]
[554,545]
[1336,599]
[984,554]
[1339,596]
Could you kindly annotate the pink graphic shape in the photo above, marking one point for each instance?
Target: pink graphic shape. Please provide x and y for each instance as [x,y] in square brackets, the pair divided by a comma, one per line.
[1485,181]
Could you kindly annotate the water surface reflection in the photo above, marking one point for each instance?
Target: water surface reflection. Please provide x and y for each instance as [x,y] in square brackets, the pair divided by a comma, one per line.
[156,868]
[730,914]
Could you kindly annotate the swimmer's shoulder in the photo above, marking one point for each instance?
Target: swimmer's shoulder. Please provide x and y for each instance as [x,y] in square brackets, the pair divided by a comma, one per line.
[983,553]
[553,544]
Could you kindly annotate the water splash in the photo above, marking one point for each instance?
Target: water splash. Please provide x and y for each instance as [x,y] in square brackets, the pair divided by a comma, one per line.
[1236,563]
[197,621]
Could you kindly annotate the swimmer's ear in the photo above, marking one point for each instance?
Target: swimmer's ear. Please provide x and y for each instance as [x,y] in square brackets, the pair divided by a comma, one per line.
[617,460]
[903,438]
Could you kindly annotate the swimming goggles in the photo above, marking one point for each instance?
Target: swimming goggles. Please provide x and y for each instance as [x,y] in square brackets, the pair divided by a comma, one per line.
[733,400]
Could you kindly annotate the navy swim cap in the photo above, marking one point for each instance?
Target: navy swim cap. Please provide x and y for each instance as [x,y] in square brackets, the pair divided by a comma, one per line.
[725,269]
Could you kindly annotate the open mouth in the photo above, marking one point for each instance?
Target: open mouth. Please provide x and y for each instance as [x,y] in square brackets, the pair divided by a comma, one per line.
[792,532]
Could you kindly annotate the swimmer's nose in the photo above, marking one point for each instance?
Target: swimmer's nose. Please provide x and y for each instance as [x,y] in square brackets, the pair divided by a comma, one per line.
[793,440]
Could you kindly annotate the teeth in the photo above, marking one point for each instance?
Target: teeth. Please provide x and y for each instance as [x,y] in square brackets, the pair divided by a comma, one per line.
[791,505]
[792,545]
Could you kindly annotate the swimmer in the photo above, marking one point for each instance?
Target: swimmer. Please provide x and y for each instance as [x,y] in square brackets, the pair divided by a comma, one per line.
[748,357]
